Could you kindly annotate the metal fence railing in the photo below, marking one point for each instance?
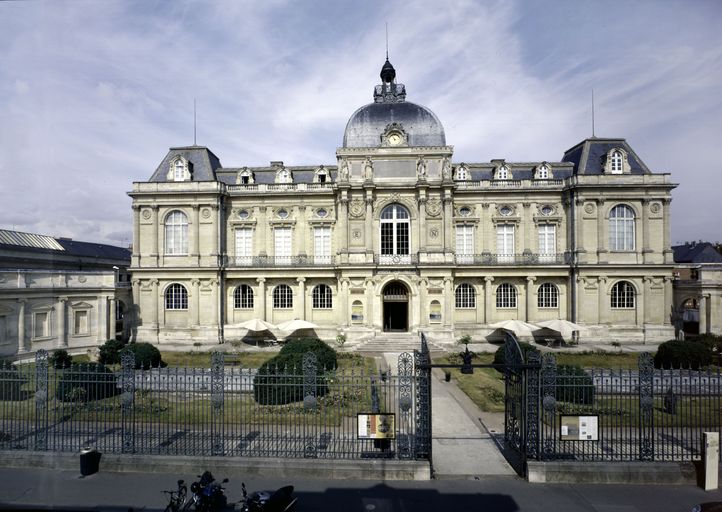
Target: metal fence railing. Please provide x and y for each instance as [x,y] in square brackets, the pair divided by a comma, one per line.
[226,411]
[641,414]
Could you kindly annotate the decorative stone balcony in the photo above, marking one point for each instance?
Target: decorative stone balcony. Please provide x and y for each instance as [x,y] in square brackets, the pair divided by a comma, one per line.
[533,184]
[278,261]
[255,188]
[526,258]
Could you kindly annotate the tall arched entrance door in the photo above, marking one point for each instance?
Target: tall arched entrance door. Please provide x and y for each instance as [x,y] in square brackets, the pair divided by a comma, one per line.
[396,307]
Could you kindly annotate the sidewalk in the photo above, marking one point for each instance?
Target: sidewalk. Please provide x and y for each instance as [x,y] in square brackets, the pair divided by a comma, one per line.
[463,444]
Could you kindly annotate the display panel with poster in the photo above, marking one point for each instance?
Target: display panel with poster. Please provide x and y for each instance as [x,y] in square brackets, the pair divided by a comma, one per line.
[376,426]
[579,428]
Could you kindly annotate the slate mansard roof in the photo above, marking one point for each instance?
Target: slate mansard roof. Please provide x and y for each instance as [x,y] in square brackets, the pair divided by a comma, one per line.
[697,252]
[589,155]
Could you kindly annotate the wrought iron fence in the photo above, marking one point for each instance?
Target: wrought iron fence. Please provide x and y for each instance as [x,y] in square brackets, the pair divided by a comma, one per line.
[639,414]
[223,411]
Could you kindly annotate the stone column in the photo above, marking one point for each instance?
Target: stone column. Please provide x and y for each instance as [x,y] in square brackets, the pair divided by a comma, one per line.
[195,302]
[23,346]
[102,335]
[155,239]
[640,299]
[530,299]
[423,303]
[62,336]
[341,235]
[422,227]
[449,302]
[157,303]
[343,299]
[195,233]
[603,304]
[646,247]
[215,242]
[136,236]
[448,222]
[370,235]
[666,246]
[113,305]
[647,291]
[301,230]
[486,226]
[214,303]
[261,232]
[703,327]
[578,225]
[601,232]
[487,299]
[668,298]
[528,224]
[370,310]
[261,298]
[301,307]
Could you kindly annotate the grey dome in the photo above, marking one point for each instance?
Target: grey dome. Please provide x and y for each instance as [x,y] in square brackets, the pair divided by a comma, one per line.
[368,123]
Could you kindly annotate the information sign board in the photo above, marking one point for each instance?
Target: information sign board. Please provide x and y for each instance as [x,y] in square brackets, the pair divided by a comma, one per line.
[376,426]
[579,428]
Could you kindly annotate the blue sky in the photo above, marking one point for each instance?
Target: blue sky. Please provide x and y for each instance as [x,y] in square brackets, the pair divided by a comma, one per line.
[93,93]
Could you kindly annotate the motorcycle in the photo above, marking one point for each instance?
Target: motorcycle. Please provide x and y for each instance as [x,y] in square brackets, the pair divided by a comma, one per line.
[281,500]
[207,494]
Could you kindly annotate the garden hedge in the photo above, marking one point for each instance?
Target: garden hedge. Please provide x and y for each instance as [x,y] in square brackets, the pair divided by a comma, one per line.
[682,354]
[110,352]
[86,382]
[499,355]
[146,355]
[60,359]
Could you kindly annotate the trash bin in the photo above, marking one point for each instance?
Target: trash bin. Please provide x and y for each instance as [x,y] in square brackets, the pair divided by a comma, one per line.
[89,461]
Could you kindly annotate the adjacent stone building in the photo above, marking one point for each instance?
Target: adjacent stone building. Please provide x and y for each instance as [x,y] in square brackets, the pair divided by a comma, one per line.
[698,288]
[396,236]
[60,293]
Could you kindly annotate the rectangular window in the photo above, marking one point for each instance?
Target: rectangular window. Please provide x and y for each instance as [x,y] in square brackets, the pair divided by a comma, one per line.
[244,246]
[465,244]
[282,251]
[322,245]
[3,329]
[505,243]
[547,242]
[387,238]
[81,323]
[40,325]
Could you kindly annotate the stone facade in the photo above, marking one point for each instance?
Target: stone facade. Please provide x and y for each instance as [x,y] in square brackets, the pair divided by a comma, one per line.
[698,288]
[396,237]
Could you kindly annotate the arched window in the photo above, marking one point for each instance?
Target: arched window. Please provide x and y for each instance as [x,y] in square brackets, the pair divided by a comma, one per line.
[465,296]
[176,297]
[179,170]
[542,172]
[505,296]
[621,228]
[282,297]
[462,173]
[622,295]
[322,297]
[357,311]
[176,233]
[617,160]
[243,297]
[502,173]
[548,296]
[395,232]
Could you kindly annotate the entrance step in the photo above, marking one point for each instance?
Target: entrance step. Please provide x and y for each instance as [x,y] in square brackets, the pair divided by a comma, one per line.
[393,342]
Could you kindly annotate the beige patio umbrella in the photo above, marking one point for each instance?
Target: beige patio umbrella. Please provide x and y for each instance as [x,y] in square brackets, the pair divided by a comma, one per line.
[563,327]
[257,324]
[296,325]
[516,326]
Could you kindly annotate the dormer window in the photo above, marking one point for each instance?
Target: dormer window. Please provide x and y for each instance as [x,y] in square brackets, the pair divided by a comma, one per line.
[502,173]
[543,172]
[462,173]
[245,177]
[616,162]
[284,176]
[179,170]
[321,175]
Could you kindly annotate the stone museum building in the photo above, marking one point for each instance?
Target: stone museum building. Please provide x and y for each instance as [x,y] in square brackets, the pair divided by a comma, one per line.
[58,293]
[396,236]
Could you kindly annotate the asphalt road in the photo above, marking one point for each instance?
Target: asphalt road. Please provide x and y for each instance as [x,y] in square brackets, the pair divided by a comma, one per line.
[66,490]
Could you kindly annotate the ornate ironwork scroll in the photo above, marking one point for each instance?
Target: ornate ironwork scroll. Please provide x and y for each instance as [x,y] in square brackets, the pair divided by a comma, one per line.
[422,442]
[217,400]
[514,394]
[127,399]
[41,400]
[646,406]
[310,369]
[405,370]
[533,399]
[549,406]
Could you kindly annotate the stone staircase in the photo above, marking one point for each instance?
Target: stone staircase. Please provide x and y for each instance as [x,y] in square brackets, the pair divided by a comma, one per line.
[394,342]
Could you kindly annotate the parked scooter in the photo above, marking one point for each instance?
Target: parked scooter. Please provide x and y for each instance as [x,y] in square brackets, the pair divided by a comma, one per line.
[207,495]
[281,500]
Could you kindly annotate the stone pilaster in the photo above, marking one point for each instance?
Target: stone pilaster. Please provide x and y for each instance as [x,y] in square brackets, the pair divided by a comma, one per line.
[23,345]
[62,335]
[261,298]
[488,280]
[300,309]
[529,290]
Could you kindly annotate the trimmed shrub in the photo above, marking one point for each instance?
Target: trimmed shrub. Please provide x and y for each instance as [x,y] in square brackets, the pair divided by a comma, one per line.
[682,354]
[11,381]
[499,355]
[713,342]
[86,382]
[574,385]
[146,355]
[110,352]
[60,359]
[326,355]
[280,379]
